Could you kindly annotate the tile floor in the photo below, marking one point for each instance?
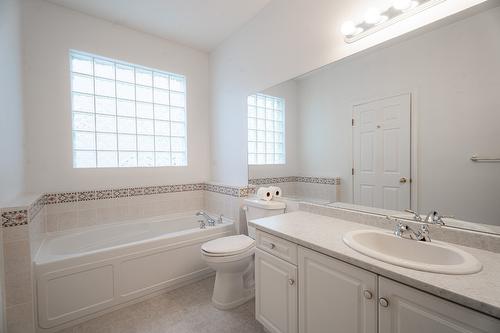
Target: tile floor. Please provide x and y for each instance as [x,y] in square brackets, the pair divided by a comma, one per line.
[184,310]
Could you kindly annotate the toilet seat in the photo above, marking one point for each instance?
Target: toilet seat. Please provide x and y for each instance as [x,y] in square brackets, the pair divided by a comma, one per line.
[228,246]
[228,258]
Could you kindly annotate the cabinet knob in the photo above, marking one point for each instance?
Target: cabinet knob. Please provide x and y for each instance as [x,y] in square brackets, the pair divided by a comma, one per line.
[272,246]
[291,282]
[383,302]
[368,294]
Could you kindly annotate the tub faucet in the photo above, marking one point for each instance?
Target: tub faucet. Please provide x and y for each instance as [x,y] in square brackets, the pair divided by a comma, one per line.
[210,221]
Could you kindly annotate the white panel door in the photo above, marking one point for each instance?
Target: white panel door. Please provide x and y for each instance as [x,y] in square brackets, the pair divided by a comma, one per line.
[335,296]
[411,311]
[275,293]
[381,153]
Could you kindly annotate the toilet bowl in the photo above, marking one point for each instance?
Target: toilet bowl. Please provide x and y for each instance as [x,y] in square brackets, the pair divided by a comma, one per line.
[232,258]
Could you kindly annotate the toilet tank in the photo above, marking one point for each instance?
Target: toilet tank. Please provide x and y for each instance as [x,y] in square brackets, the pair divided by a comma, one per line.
[257,208]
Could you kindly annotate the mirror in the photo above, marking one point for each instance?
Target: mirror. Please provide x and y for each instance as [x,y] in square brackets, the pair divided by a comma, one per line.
[410,125]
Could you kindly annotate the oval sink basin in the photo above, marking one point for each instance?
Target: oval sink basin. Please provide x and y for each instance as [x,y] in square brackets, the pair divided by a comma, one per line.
[437,257]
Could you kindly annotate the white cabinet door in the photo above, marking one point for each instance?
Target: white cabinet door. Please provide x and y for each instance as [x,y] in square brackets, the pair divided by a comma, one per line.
[406,310]
[275,293]
[335,296]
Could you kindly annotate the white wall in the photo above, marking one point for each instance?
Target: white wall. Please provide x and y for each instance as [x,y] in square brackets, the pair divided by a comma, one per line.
[11,117]
[454,74]
[11,121]
[49,32]
[286,39]
[288,91]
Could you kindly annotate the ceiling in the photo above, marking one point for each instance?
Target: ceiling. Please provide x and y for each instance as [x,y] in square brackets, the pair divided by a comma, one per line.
[201,24]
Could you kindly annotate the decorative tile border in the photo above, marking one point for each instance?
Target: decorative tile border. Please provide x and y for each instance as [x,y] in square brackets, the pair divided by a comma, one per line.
[14,218]
[296,179]
[319,180]
[274,180]
[20,216]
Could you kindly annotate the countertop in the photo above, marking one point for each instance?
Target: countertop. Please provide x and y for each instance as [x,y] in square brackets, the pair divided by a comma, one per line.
[479,291]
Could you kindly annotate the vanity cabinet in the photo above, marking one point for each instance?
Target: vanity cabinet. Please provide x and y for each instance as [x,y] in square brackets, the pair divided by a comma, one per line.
[329,295]
[275,293]
[404,309]
[334,294]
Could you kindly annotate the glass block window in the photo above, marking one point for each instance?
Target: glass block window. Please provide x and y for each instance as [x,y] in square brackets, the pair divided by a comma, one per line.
[126,115]
[266,129]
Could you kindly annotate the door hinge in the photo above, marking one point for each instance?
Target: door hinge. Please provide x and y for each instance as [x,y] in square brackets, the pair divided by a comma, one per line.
[352,171]
[352,121]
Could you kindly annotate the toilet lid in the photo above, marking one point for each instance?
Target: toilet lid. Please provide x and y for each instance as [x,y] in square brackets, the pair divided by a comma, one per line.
[228,245]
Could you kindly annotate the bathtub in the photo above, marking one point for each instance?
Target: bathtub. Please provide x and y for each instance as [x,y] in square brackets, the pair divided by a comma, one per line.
[81,274]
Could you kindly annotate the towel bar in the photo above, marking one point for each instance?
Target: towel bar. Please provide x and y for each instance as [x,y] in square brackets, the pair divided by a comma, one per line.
[475,158]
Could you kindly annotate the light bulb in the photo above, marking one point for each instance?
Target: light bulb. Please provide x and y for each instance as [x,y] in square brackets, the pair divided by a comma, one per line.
[372,16]
[348,28]
[402,4]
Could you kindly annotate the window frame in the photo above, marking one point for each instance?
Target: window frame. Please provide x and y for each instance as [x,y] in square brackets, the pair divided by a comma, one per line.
[152,106]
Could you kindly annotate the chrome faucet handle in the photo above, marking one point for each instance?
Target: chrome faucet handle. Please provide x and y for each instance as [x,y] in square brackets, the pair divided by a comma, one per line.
[424,233]
[416,215]
[202,224]
[434,218]
[219,220]
[400,229]
[431,216]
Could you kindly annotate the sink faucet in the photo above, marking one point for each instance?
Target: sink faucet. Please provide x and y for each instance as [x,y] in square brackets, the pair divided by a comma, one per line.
[210,221]
[405,231]
[416,215]
[434,218]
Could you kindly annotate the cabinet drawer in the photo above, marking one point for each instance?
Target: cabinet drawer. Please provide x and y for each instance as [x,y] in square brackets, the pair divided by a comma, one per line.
[277,246]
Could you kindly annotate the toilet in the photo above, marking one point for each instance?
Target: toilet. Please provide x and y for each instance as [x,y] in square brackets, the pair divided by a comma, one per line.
[232,258]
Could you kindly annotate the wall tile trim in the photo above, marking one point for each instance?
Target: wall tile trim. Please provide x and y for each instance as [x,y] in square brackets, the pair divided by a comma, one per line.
[295,179]
[14,218]
[11,217]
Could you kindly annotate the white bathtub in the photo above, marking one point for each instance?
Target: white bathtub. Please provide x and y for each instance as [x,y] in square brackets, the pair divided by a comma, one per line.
[79,274]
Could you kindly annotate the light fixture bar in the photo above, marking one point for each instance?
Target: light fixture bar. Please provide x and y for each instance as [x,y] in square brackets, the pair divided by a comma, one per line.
[374,22]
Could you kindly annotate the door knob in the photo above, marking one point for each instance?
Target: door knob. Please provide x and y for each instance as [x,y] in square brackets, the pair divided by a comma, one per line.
[403,180]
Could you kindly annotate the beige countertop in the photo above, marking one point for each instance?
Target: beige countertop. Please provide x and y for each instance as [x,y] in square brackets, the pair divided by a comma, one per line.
[479,291]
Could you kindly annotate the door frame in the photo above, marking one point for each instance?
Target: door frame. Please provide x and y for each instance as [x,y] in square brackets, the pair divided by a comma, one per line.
[413,141]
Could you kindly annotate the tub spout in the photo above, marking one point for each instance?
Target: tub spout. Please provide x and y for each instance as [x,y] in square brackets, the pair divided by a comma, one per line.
[210,221]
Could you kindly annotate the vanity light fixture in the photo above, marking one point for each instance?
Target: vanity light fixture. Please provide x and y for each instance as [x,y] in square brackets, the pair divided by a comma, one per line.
[375,19]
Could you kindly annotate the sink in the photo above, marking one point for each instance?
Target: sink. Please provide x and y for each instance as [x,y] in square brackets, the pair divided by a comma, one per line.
[435,256]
